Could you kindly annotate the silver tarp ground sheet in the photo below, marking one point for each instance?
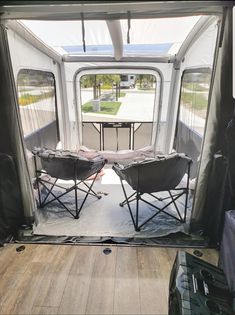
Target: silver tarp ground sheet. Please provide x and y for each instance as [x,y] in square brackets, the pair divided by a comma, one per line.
[104,217]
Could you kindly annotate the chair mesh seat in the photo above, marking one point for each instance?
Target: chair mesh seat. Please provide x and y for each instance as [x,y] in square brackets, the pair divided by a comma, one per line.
[68,165]
[162,173]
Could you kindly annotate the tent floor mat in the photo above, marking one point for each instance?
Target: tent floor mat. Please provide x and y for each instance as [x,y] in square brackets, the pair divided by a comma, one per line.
[25,235]
[104,219]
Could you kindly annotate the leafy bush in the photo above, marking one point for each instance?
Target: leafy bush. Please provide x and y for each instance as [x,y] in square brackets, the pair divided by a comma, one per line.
[27,99]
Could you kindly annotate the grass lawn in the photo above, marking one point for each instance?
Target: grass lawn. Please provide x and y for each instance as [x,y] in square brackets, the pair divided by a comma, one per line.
[146,89]
[112,96]
[197,101]
[195,87]
[110,108]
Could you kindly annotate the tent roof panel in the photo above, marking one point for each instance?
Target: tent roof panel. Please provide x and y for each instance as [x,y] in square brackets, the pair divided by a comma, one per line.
[153,37]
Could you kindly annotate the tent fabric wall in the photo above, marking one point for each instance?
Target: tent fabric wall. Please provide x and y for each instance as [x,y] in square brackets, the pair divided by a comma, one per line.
[10,200]
[221,106]
[11,141]
[199,55]
[26,55]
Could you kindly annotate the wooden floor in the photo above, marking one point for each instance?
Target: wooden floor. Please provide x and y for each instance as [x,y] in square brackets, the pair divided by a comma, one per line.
[66,279]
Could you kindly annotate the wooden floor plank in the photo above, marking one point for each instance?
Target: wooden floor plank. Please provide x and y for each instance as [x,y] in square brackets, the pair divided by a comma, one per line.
[74,299]
[21,298]
[84,260]
[64,279]
[153,288]
[54,281]
[18,261]
[37,310]
[7,254]
[101,292]
[126,291]
[46,253]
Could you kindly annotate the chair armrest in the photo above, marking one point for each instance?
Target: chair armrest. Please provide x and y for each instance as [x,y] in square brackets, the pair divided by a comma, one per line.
[118,170]
[98,158]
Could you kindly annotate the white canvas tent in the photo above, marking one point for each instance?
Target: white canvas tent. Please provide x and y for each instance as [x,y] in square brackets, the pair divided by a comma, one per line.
[201,38]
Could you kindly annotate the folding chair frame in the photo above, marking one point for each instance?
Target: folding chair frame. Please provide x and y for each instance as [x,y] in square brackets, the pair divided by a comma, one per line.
[44,183]
[137,196]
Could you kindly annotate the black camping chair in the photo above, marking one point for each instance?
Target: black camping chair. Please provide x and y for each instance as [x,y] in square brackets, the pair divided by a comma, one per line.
[65,165]
[163,173]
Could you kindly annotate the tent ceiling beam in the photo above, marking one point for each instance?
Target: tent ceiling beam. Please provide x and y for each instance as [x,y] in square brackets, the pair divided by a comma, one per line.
[114,27]
[106,10]
[75,58]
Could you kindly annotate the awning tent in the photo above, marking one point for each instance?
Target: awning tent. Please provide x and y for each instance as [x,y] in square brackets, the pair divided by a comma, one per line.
[109,42]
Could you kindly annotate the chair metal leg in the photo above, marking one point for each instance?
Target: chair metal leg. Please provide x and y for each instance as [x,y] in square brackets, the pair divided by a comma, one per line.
[76,200]
[155,214]
[176,207]
[187,192]
[121,204]
[92,193]
[128,204]
[135,221]
[159,198]
[38,189]
[88,192]
[37,181]
[137,212]
[57,198]
[186,205]
[49,190]
[43,203]
[75,187]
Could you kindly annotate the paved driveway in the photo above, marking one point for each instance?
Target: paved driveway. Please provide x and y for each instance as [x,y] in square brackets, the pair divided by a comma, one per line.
[136,105]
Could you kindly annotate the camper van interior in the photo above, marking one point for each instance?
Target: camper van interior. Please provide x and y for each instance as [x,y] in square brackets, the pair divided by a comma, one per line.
[117,157]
